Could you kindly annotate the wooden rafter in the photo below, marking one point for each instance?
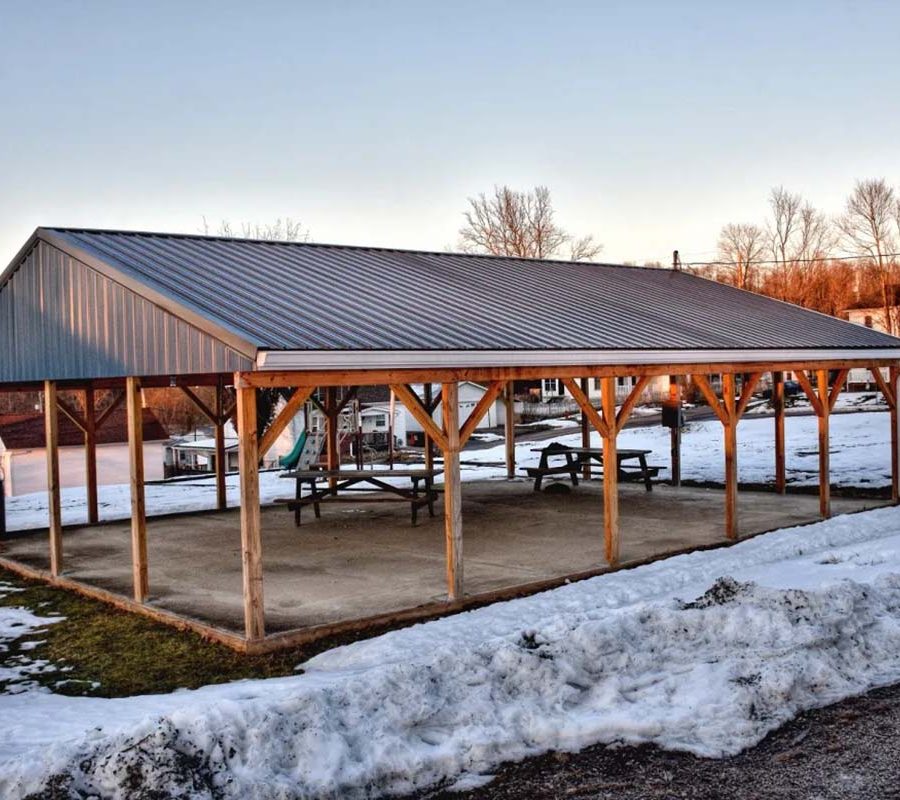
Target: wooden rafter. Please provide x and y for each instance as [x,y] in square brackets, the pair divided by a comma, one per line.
[291,408]
[707,391]
[883,386]
[414,404]
[207,411]
[631,401]
[492,392]
[747,389]
[117,400]
[814,399]
[600,424]
[72,414]
[836,388]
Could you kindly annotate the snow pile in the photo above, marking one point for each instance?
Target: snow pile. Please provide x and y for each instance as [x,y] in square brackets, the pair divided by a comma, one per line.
[619,658]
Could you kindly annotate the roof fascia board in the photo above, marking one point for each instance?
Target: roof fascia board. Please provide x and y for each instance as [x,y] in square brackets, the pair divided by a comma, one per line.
[18,258]
[167,304]
[306,360]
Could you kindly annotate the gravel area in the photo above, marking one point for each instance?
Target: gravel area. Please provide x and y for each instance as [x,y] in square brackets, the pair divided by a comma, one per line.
[849,751]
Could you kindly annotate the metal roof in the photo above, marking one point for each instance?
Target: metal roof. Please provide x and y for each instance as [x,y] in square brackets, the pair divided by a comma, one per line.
[313,297]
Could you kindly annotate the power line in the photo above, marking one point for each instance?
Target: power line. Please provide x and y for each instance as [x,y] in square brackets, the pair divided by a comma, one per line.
[789,261]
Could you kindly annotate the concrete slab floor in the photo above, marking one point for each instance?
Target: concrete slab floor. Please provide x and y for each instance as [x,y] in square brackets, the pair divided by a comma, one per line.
[362,560]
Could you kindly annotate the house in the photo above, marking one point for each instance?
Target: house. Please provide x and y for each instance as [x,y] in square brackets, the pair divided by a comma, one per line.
[656,390]
[861,380]
[190,455]
[23,455]
[470,393]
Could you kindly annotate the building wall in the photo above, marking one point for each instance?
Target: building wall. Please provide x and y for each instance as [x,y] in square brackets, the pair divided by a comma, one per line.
[59,318]
[469,395]
[26,470]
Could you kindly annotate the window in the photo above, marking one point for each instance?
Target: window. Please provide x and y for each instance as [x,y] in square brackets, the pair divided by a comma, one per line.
[551,386]
[380,420]
[869,322]
[596,384]
[621,382]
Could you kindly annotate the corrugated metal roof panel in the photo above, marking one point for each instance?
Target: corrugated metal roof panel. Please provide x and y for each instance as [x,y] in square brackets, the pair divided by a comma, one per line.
[301,296]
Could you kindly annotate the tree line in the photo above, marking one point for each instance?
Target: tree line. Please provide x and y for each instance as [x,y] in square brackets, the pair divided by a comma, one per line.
[801,255]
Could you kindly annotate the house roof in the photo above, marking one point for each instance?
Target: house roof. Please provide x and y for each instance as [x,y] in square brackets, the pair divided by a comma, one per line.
[26,431]
[317,302]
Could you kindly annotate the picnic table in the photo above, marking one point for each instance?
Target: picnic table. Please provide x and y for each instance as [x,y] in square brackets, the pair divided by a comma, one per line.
[419,493]
[577,457]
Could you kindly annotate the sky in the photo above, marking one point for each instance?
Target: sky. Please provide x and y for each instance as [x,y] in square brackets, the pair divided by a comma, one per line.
[652,123]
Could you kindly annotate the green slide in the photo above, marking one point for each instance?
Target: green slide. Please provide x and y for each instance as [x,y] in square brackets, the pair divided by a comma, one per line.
[290,460]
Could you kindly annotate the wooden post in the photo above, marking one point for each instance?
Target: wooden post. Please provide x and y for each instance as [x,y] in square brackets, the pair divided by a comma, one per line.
[731,471]
[332,454]
[221,463]
[894,378]
[251,527]
[138,510]
[509,430]
[610,472]
[428,399]
[586,432]
[51,430]
[675,430]
[824,445]
[90,455]
[778,406]
[452,492]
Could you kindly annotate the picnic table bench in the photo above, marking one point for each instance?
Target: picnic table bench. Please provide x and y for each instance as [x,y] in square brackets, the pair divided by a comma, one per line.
[577,457]
[420,493]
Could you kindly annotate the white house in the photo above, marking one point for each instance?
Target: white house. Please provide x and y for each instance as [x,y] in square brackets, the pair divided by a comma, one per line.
[23,455]
[861,379]
[469,395]
[658,389]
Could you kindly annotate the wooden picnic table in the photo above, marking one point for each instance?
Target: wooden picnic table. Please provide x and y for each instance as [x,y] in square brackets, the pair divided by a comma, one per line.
[421,491]
[577,457]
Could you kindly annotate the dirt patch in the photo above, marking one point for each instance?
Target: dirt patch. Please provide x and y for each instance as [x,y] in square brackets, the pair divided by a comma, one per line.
[848,751]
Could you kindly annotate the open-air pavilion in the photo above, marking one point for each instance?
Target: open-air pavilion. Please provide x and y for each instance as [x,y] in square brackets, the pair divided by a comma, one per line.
[103,311]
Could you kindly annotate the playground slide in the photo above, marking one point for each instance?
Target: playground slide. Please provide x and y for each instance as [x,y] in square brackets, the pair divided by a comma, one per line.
[290,460]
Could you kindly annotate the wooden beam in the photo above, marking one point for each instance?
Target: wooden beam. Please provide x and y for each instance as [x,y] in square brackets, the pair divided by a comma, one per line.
[429,403]
[54,507]
[251,528]
[349,395]
[207,411]
[600,424]
[706,390]
[291,409]
[221,455]
[453,534]
[631,401]
[886,390]
[412,402]
[90,456]
[778,406]
[836,388]
[824,445]
[675,431]
[374,377]
[731,471]
[492,392]
[117,400]
[71,413]
[585,432]
[610,473]
[135,416]
[332,453]
[811,394]
[747,389]
[509,430]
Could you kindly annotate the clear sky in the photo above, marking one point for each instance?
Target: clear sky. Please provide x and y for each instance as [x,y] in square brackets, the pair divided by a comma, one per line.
[653,123]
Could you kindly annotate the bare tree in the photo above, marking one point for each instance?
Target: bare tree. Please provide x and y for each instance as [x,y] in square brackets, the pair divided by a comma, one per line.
[284,229]
[869,226]
[741,246]
[800,238]
[512,223]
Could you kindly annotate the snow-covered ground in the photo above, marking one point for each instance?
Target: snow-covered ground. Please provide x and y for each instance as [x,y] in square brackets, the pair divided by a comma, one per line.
[704,652]
[860,456]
